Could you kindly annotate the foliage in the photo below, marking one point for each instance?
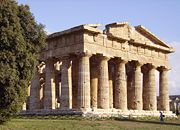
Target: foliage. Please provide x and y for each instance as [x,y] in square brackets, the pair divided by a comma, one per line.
[21,38]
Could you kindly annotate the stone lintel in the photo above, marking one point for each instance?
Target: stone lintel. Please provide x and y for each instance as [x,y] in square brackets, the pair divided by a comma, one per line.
[156,47]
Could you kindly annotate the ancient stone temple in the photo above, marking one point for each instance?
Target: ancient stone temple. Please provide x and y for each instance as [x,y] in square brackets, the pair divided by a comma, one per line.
[88,71]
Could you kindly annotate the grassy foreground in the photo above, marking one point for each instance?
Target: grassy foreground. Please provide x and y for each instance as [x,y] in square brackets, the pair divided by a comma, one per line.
[86,124]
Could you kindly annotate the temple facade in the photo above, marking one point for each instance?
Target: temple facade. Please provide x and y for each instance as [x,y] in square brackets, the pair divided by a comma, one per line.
[88,71]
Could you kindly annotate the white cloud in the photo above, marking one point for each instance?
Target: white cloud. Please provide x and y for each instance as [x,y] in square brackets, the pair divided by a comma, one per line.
[174,74]
[48,31]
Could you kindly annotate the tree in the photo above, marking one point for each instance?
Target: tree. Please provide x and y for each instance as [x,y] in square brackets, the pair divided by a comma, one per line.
[21,40]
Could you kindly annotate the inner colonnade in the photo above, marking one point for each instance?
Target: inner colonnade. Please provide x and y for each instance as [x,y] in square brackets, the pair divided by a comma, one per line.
[90,82]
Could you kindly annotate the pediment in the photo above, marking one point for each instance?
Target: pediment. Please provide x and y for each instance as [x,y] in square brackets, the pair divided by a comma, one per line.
[137,34]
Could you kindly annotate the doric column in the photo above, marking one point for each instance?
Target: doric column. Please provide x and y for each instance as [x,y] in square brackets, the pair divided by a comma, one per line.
[137,87]
[103,83]
[152,89]
[130,87]
[41,70]
[110,68]
[66,84]
[163,89]
[34,92]
[49,90]
[145,89]
[84,82]
[57,82]
[94,84]
[75,71]
[120,85]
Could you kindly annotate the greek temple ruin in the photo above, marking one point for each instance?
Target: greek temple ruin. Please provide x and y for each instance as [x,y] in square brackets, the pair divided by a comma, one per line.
[110,72]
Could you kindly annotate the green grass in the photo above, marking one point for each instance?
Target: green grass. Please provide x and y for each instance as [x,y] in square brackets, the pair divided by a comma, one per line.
[90,124]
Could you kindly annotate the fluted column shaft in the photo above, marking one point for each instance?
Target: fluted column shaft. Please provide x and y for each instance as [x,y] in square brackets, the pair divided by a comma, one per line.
[120,85]
[138,87]
[34,99]
[94,85]
[66,84]
[110,68]
[103,84]
[49,90]
[163,90]
[84,82]
[145,90]
[152,89]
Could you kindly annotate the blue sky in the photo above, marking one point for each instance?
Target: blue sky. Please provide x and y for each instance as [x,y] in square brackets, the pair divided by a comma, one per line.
[161,17]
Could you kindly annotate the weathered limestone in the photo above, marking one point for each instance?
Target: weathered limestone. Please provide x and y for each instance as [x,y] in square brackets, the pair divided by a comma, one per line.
[94,85]
[34,92]
[120,85]
[87,71]
[49,90]
[138,105]
[75,71]
[163,90]
[57,83]
[145,89]
[84,82]
[66,84]
[110,68]
[103,83]
[152,89]
[130,90]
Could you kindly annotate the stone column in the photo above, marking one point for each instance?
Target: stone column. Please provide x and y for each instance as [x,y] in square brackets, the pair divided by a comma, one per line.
[120,85]
[103,83]
[84,82]
[145,89]
[130,88]
[138,87]
[49,90]
[75,71]
[42,73]
[57,83]
[163,90]
[94,85]
[152,89]
[110,68]
[34,92]
[66,84]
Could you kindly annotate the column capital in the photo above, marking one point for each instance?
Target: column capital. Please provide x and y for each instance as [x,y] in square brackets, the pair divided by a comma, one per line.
[138,64]
[163,68]
[84,54]
[151,66]
[104,58]
[120,60]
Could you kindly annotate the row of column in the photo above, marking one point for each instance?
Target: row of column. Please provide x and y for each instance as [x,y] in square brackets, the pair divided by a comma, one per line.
[94,89]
